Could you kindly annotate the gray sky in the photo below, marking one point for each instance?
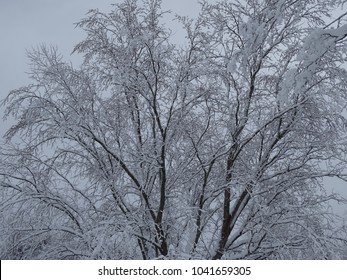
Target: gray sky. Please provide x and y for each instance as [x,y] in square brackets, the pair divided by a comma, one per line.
[27,23]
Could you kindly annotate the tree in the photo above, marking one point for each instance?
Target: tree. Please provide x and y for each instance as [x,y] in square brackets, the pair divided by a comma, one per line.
[212,150]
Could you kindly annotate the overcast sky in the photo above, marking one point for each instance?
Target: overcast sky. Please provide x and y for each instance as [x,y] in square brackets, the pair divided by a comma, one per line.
[25,24]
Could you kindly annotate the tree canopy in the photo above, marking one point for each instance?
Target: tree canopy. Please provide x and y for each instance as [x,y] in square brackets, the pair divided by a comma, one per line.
[152,150]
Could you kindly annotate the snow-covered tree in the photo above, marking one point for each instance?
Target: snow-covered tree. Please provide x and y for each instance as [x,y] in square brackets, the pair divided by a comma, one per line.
[215,149]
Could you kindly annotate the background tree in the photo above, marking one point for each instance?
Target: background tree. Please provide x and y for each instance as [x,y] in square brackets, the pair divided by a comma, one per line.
[212,150]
